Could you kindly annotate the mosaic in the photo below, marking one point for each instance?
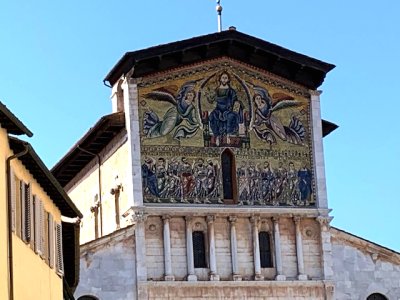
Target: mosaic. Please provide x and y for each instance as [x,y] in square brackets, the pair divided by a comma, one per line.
[188,120]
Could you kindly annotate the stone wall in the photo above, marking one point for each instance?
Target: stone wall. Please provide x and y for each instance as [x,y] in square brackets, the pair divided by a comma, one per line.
[362,268]
[107,267]
[235,290]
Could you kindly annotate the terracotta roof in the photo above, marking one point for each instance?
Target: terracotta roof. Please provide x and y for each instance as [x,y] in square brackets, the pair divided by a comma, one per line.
[288,64]
[11,123]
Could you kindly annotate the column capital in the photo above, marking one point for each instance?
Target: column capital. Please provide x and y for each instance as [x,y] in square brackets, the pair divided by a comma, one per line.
[188,220]
[324,221]
[254,219]
[139,216]
[315,92]
[232,219]
[275,219]
[210,219]
[297,220]
[166,217]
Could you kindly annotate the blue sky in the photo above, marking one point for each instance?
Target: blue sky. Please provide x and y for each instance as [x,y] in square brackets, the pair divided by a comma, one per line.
[55,54]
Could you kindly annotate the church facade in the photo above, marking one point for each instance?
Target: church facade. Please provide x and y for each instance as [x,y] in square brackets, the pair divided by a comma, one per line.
[207,181]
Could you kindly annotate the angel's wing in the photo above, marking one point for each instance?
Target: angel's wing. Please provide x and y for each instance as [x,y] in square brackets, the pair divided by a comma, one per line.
[161,94]
[284,104]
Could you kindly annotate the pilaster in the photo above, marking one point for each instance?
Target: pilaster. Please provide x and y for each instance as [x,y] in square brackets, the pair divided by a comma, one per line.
[326,246]
[134,186]
[139,219]
[318,153]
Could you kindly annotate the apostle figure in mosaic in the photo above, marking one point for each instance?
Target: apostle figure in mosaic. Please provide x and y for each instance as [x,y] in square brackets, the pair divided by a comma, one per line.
[150,179]
[244,183]
[305,181]
[224,119]
[200,177]
[161,173]
[267,179]
[212,181]
[187,179]
[180,118]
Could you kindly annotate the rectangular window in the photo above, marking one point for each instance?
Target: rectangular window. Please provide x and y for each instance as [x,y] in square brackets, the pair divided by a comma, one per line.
[13,195]
[25,194]
[59,250]
[199,250]
[265,249]
[51,250]
[39,227]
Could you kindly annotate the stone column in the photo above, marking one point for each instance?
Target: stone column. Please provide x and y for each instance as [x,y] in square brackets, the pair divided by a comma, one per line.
[299,250]
[318,153]
[256,249]
[189,250]
[278,255]
[213,262]
[235,266]
[167,250]
[326,246]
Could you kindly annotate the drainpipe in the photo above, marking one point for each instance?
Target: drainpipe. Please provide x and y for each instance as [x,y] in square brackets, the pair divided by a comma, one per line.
[100,189]
[9,221]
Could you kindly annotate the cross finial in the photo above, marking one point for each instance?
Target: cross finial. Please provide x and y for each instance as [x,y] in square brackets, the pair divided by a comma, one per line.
[219,11]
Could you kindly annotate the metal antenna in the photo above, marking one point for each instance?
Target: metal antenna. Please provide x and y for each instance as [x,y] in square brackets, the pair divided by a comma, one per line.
[219,11]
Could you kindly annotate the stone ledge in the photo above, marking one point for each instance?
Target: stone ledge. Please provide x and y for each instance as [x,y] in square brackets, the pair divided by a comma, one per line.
[229,284]
[227,210]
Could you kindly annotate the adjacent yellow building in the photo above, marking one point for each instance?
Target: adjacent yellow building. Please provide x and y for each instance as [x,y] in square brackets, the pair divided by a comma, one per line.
[39,256]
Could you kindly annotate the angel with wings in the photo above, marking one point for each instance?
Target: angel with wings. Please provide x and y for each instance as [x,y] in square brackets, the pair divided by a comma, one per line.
[266,125]
[181,117]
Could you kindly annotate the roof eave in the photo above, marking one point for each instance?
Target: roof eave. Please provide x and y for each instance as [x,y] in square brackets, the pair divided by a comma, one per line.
[19,128]
[73,210]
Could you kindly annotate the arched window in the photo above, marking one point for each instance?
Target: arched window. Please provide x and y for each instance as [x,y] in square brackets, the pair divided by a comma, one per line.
[88,297]
[376,296]
[228,176]
[199,250]
[265,249]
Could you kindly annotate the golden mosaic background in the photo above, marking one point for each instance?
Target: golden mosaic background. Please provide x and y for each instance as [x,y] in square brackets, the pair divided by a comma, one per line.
[188,117]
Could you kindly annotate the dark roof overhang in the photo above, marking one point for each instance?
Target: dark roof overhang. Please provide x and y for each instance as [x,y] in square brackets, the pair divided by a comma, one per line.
[92,142]
[71,253]
[328,127]
[11,123]
[288,64]
[44,178]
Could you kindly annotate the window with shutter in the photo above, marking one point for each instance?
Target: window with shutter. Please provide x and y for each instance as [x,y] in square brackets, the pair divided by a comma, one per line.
[18,214]
[199,250]
[59,251]
[265,249]
[25,212]
[32,219]
[13,195]
[42,230]
[46,237]
[37,227]
[51,245]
